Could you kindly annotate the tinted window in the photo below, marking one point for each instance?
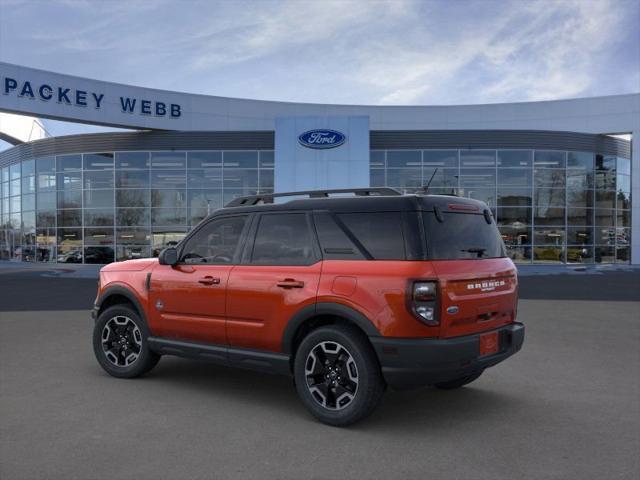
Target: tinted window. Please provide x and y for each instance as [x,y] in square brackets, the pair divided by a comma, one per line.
[549,159]
[132,179]
[334,242]
[477,158]
[43,165]
[214,243]
[440,158]
[69,162]
[514,158]
[98,179]
[462,236]
[168,159]
[283,240]
[240,159]
[379,233]
[132,160]
[204,159]
[98,161]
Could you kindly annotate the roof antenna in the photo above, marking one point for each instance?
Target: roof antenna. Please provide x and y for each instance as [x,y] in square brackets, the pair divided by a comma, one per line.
[425,188]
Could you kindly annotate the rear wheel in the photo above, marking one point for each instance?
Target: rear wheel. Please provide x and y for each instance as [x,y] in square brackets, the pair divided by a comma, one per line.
[337,375]
[120,343]
[458,382]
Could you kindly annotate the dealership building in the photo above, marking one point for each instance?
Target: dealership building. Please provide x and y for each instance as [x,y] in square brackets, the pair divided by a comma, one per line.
[561,177]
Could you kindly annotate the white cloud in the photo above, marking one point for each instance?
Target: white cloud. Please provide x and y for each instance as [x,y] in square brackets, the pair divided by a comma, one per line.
[553,55]
[292,24]
[386,52]
[531,51]
[404,95]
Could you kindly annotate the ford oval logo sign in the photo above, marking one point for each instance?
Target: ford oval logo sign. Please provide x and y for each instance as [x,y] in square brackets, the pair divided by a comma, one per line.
[322,138]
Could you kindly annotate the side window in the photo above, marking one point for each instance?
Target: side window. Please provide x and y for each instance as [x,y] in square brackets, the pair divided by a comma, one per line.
[215,243]
[283,239]
[335,244]
[380,233]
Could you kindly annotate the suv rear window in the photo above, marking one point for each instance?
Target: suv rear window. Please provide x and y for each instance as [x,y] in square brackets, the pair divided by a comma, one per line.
[462,236]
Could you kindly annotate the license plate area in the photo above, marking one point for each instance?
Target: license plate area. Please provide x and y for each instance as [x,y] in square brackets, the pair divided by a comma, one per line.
[489,344]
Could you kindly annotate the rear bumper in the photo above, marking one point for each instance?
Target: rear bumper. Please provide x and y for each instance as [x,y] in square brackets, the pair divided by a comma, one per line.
[411,363]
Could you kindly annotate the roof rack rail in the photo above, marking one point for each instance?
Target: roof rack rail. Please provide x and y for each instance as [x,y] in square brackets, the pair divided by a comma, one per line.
[269,197]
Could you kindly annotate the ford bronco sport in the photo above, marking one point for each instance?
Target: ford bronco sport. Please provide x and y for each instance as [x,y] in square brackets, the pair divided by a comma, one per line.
[348,295]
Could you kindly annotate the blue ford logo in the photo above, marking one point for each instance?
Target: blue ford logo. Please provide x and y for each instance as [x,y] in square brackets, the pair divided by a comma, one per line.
[322,138]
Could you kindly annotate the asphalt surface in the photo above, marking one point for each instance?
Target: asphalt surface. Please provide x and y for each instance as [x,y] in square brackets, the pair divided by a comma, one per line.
[567,406]
[34,291]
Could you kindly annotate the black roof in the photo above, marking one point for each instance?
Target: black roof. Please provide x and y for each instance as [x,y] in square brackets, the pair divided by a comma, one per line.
[377,203]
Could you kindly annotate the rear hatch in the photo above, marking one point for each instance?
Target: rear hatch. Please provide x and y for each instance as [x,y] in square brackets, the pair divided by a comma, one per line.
[478,283]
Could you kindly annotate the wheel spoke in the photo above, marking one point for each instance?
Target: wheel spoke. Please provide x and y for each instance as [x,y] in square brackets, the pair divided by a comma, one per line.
[331,375]
[343,396]
[331,398]
[352,370]
[319,393]
[121,341]
[315,379]
[320,355]
[130,357]
[330,350]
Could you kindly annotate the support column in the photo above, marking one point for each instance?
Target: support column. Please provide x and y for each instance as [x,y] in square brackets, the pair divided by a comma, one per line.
[299,167]
[635,197]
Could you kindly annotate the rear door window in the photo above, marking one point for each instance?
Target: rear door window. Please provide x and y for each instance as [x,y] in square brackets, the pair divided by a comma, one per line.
[380,233]
[462,236]
[283,239]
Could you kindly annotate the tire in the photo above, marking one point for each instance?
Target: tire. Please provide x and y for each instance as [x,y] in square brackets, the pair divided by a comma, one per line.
[347,388]
[122,328]
[458,382]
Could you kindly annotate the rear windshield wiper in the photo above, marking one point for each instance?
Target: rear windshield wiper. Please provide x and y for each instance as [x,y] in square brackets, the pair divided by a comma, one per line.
[480,251]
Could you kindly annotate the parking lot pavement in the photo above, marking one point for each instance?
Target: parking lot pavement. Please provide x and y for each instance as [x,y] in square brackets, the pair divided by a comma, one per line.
[565,407]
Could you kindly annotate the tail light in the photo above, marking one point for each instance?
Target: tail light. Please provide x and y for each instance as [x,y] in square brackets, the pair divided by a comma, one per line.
[424,302]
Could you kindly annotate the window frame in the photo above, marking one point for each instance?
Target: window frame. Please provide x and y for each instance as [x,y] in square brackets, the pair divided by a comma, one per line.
[239,248]
[246,258]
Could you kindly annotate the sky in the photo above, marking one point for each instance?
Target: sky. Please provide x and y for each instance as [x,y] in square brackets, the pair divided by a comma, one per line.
[395,52]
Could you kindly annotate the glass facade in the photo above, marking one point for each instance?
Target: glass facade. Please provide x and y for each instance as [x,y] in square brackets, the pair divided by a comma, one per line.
[106,206]
[550,206]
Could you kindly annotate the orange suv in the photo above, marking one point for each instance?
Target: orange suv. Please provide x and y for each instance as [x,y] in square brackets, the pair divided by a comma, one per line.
[347,294]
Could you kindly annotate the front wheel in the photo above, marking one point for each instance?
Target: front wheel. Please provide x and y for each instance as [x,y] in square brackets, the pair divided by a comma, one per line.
[337,375]
[120,343]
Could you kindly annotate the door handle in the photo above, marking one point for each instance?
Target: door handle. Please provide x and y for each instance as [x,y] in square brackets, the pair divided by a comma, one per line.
[290,283]
[208,280]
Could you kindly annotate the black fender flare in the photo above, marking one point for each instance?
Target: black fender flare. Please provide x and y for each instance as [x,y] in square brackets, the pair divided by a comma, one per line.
[125,292]
[325,308]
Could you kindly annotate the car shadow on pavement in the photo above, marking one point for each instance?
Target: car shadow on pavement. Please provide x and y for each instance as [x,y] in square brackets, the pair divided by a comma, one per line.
[437,410]
[398,410]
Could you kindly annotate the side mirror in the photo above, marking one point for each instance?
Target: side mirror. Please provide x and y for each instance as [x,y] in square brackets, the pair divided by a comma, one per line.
[168,256]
